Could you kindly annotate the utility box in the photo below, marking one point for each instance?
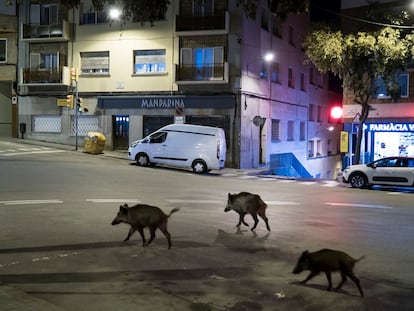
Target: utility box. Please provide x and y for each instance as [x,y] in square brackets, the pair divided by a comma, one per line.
[94,143]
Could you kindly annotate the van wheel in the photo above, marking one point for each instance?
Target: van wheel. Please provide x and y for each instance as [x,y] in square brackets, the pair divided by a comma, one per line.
[199,167]
[142,159]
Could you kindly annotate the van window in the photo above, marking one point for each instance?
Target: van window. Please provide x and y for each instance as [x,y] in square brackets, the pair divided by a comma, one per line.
[158,138]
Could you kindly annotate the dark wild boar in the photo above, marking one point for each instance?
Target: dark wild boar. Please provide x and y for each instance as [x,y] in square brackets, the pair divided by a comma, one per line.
[247,203]
[141,216]
[328,260]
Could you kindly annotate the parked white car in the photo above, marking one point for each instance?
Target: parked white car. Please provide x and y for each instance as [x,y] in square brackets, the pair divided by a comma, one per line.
[390,171]
[202,148]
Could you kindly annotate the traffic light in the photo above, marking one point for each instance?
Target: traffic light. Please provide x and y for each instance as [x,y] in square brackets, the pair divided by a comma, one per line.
[69,100]
[335,114]
[80,106]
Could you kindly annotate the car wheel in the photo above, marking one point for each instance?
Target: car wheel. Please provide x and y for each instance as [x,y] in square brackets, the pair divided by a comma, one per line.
[358,180]
[142,159]
[199,167]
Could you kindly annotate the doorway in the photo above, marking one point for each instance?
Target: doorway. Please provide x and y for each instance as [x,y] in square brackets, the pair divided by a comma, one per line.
[120,126]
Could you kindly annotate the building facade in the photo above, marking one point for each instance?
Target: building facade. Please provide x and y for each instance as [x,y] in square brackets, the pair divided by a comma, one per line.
[389,129]
[8,68]
[201,63]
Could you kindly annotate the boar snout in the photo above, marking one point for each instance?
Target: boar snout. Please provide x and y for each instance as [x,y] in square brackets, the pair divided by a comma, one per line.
[116,221]
[226,209]
[297,270]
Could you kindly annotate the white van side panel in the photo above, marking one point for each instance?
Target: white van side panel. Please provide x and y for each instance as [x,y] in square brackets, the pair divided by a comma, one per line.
[185,143]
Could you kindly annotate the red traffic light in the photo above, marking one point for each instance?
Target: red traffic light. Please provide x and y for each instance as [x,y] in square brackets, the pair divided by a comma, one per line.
[336,113]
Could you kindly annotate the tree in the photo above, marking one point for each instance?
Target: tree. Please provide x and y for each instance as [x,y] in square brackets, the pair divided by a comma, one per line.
[359,59]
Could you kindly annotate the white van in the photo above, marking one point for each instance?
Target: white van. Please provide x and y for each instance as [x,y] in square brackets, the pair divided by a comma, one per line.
[202,148]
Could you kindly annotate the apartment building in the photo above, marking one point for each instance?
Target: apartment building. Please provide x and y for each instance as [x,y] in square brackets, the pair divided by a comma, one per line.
[201,63]
[389,129]
[8,68]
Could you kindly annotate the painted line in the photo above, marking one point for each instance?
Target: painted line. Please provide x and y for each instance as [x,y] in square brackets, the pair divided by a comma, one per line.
[25,202]
[286,180]
[359,205]
[247,177]
[195,201]
[281,203]
[308,183]
[266,179]
[113,200]
[31,152]
[330,184]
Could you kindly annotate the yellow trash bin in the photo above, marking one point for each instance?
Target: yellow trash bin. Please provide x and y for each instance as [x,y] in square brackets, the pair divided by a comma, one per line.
[94,143]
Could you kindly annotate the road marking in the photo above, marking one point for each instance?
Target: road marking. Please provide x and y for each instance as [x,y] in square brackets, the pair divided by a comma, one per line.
[332,183]
[247,177]
[24,202]
[359,205]
[281,203]
[113,200]
[31,152]
[195,201]
[308,183]
[287,180]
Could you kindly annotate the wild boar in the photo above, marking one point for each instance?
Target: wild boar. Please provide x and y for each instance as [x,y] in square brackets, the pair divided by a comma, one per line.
[247,203]
[328,260]
[141,216]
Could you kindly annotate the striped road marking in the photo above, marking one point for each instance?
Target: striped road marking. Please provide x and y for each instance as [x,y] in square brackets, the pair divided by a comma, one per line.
[195,201]
[25,202]
[113,200]
[31,152]
[359,205]
[282,203]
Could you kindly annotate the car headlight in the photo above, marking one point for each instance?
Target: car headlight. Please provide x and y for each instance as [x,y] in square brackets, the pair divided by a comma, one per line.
[133,144]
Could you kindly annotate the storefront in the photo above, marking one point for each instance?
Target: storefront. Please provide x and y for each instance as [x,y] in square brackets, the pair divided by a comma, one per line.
[382,139]
[133,117]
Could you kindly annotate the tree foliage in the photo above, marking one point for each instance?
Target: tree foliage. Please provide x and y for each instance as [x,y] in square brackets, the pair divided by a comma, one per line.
[359,59]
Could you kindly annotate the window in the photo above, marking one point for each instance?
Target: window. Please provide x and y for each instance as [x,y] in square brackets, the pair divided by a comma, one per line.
[277,26]
[312,76]
[264,68]
[265,19]
[95,63]
[94,17]
[381,90]
[275,130]
[44,60]
[43,14]
[291,36]
[302,131]
[149,61]
[291,78]
[291,130]
[319,114]
[158,138]
[207,63]
[302,82]
[3,50]
[203,7]
[274,71]
[311,112]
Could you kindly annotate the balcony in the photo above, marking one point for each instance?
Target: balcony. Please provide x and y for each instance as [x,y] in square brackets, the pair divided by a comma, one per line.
[46,33]
[213,74]
[202,25]
[44,80]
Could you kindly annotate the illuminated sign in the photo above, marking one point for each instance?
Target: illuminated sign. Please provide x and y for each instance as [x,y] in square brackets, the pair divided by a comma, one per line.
[389,127]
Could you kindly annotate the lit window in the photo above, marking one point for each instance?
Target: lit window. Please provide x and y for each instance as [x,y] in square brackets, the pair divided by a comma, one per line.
[149,61]
[203,63]
[381,89]
[95,63]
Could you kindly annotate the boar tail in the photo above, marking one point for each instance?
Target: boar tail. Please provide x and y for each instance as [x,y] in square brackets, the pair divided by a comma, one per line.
[360,258]
[173,211]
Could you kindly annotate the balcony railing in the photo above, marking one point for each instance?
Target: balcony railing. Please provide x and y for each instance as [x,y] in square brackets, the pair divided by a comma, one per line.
[45,75]
[214,73]
[56,32]
[202,24]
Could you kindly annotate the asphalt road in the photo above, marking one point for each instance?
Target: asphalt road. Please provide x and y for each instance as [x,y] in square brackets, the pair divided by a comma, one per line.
[57,243]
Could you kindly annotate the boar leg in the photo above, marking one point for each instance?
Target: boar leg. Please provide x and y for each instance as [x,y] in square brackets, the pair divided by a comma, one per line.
[132,229]
[241,220]
[311,275]
[256,220]
[141,232]
[328,276]
[263,216]
[356,281]
[343,279]
[152,232]
[163,229]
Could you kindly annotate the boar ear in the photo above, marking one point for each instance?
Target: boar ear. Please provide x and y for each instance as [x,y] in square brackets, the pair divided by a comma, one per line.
[229,196]
[126,205]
